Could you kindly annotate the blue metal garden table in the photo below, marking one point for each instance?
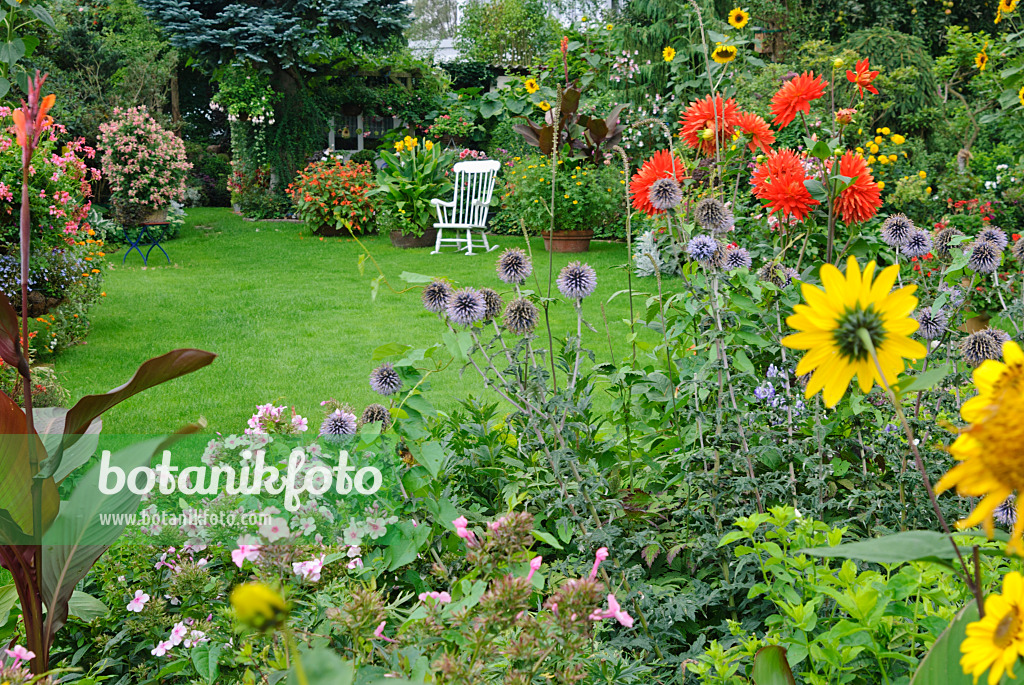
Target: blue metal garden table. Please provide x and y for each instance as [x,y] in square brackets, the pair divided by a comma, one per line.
[153,242]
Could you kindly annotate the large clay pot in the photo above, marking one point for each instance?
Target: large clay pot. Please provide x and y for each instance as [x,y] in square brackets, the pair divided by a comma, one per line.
[157,216]
[567,241]
[408,240]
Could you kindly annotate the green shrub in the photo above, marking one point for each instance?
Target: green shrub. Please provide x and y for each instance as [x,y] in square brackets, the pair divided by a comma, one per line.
[209,176]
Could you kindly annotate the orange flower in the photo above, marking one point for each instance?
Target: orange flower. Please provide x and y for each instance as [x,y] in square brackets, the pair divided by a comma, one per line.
[796,96]
[862,77]
[711,115]
[780,180]
[760,133]
[659,166]
[861,200]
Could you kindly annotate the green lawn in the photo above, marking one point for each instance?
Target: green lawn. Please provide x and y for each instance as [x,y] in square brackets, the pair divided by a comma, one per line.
[290,317]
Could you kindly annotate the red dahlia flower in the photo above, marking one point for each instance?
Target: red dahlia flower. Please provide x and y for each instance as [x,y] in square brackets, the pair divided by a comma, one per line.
[796,96]
[712,115]
[861,200]
[760,133]
[659,166]
[862,77]
[780,180]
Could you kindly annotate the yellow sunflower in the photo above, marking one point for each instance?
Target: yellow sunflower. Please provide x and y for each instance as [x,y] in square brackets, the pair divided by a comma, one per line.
[668,54]
[1020,96]
[738,18]
[544,105]
[830,325]
[531,86]
[258,605]
[1007,6]
[981,60]
[996,641]
[724,54]
[991,449]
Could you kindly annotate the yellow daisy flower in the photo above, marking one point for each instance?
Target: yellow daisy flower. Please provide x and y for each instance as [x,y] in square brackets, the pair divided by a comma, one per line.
[991,449]
[1007,6]
[1020,96]
[922,173]
[724,54]
[995,641]
[544,105]
[897,139]
[981,61]
[738,18]
[258,605]
[531,86]
[668,54]
[609,27]
[829,328]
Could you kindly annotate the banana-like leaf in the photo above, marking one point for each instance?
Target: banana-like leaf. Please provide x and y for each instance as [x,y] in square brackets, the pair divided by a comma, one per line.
[16,476]
[771,667]
[9,336]
[153,372]
[49,423]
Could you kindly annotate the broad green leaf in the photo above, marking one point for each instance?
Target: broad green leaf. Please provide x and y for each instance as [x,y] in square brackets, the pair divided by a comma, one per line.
[204,658]
[16,475]
[323,667]
[12,51]
[816,189]
[431,455]
[921,381]
[49,423]
[899,548]
[771,667]
[546,538]
[410,277]
[8,598]
[86,607]
[941,666]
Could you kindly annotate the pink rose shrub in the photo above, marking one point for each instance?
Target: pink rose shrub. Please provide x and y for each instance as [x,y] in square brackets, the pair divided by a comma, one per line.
[144,163]
[59,187]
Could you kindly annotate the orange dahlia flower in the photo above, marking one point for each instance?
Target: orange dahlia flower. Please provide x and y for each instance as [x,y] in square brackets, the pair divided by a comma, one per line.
[710,114]
[780,180]
[760,132]
[861,200]
[796,96]
[862,77]
[659,166]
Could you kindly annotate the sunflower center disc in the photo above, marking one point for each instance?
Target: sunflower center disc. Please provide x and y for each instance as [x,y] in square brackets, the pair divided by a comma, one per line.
[847,338]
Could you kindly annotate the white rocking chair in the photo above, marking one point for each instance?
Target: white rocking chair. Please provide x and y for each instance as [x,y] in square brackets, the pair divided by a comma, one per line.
[474,185]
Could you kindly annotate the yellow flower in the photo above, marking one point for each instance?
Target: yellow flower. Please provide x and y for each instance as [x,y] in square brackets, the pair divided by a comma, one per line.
[883,160]
[575,202]
[879,139]
[429,145]
[860,150]
[830,325]
[668,54]
[991,449]
[609,27]
[886,131]
[738,18]
[724,54]
[928,190]
[881,185]
[871,159]
[1007,6]
[893,158]
[898,139]
[258,605]
[981,60]
[544,105]
[995,641]
[1020,96]
[399,146]
[873,148]
[531,86]
[922,174]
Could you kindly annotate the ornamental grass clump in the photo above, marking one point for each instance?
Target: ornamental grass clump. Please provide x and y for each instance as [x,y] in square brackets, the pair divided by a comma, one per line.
[144,163]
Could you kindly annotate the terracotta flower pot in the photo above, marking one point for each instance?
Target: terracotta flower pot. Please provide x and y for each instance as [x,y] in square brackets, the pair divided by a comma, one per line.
[567,241]
[406,241]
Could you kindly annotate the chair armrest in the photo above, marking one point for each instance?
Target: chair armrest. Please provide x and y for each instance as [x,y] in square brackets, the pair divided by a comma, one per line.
[437,202]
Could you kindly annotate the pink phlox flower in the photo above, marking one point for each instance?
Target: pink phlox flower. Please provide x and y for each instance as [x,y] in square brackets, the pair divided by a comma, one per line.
[534,567]
[138,602]
[600,556]
[379,633]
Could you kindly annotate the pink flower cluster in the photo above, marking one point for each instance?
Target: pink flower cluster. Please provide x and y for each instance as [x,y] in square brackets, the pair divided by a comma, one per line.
[270,419]
[144,162]
[181,634]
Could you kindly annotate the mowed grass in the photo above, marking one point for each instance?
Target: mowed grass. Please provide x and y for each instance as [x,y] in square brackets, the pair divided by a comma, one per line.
[291,319]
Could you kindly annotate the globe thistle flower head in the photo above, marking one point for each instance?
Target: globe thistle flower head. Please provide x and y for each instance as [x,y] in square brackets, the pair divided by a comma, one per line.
[1018,250]
[514,266]
[384,380]
[776,274]
[1006,513]
[737,258]
[665,194]
[944,241]
[979,346]
[338,424]
[998,335]
[897,229]
[705,250]
[466,306]
[713,216]
[918,244]
[435,296]
[931,325]
[376,413]
[996,235]
[577,281]
[521,317]
[985,256]
[492,303]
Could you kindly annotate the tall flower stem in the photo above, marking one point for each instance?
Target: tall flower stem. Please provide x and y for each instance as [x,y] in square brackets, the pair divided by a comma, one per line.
[968,578]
